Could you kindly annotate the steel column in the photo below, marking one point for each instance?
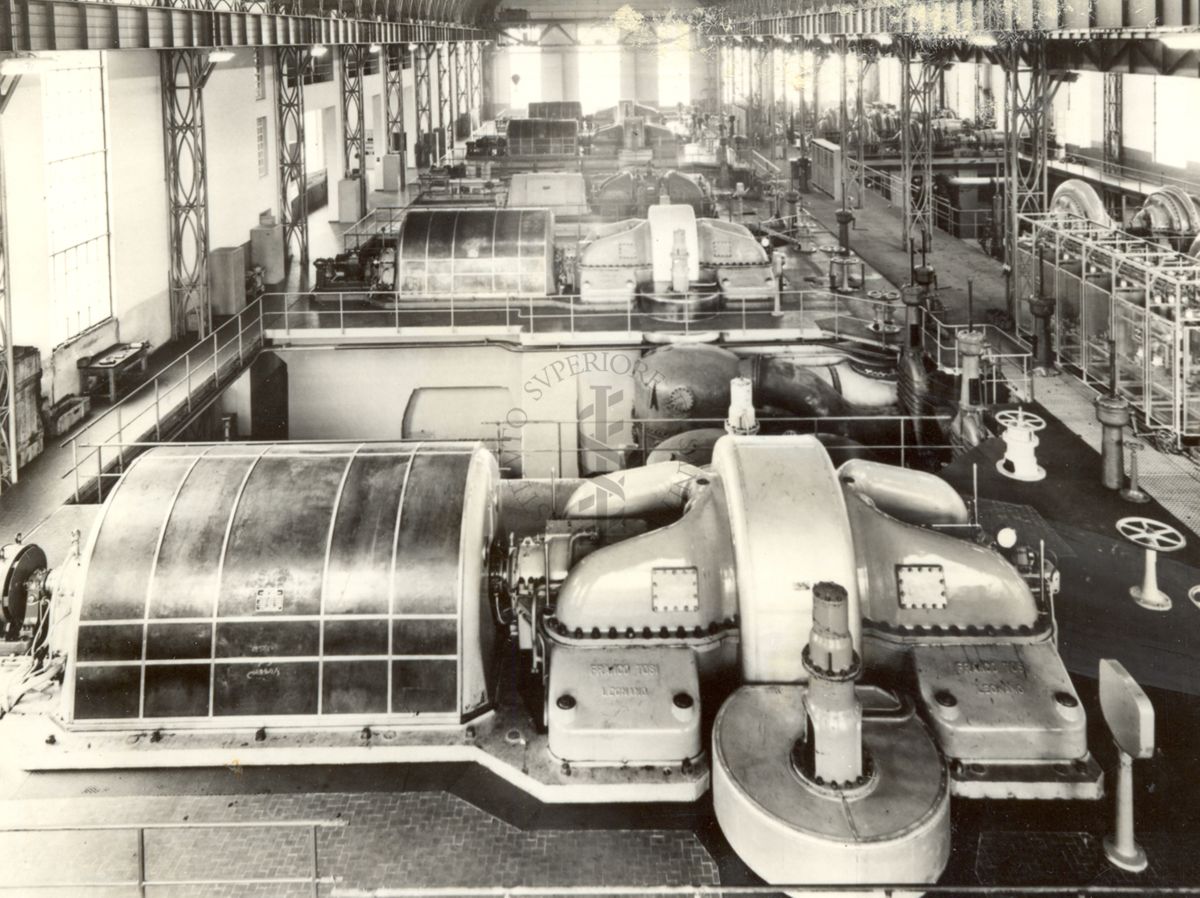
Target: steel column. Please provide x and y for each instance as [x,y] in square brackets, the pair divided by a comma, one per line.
[443,101]
[1029,91]
[354,133]
[289,134]
[183,74]
[1114,149]
[462,105]
[422,82]
[865,62]
[918,73]
[844,118]
[393,106]
[9,473]
[474,68]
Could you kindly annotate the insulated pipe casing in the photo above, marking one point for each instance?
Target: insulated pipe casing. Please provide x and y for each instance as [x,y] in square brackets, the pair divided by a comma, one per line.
[1113,413]
[833,751]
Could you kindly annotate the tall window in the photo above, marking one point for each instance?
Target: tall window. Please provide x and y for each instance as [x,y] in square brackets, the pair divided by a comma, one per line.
[526,80]
[674,64]
[76,196]
[599,67]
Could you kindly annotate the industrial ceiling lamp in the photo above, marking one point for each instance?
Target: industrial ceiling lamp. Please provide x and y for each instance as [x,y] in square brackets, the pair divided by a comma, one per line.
[982,39]
[318,50]
[374,48]
[220,56]
[1183,40]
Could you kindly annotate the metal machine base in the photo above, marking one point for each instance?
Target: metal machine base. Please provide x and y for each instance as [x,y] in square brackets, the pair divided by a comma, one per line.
[1134,863]
[1157,601]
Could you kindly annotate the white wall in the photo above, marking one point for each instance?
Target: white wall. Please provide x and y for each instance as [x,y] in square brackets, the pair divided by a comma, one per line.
[137,197]
[137,216]
[363,393]
[236,191]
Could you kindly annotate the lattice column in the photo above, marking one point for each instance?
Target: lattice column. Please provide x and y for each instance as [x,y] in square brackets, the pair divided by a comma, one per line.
[424,95]
[444,92]
[183,75]
[462,106]
[393,106]
[475,69]
[8,386]
[1028,91]
[354,147]
[917,77]
[289,130]
[844,115]
[866,61]
[1114,149]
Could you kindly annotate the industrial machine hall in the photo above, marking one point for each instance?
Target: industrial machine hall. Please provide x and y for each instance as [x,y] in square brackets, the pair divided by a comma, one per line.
[579,448]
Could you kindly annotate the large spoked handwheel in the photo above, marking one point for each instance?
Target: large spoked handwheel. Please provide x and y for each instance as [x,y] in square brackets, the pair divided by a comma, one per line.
[1021,419]
[1154,537]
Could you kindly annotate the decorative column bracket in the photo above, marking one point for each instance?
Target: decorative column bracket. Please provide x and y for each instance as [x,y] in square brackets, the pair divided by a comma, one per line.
[289,122]
[354,147]
[183,74]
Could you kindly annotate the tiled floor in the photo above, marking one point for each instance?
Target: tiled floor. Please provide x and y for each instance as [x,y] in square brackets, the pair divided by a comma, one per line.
[421,838]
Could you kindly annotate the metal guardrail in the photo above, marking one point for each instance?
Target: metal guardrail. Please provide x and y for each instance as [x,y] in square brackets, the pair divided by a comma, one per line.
[966,224]
[168,398]
[142,883]
[882,889]
[906,440]
[1097,169]
[838,315]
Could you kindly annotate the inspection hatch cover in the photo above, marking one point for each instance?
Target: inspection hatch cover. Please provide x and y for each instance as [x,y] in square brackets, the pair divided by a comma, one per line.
[1030,526]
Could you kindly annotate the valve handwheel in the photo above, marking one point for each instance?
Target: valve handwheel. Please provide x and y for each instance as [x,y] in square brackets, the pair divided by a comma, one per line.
[1020,418]
[1153,536]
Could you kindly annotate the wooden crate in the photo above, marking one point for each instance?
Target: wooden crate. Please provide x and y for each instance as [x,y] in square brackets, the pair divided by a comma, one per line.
[28,414]
[66,413]
[27,365]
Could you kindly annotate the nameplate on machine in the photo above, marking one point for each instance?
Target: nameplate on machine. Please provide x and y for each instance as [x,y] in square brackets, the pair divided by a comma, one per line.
[921,586]
[674,589]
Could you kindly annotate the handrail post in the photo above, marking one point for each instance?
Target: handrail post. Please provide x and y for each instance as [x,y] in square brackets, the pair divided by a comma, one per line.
[120,441]
[75,465]
[141,861]
[157,417]
[316,877]
[216,363]
[187,361]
